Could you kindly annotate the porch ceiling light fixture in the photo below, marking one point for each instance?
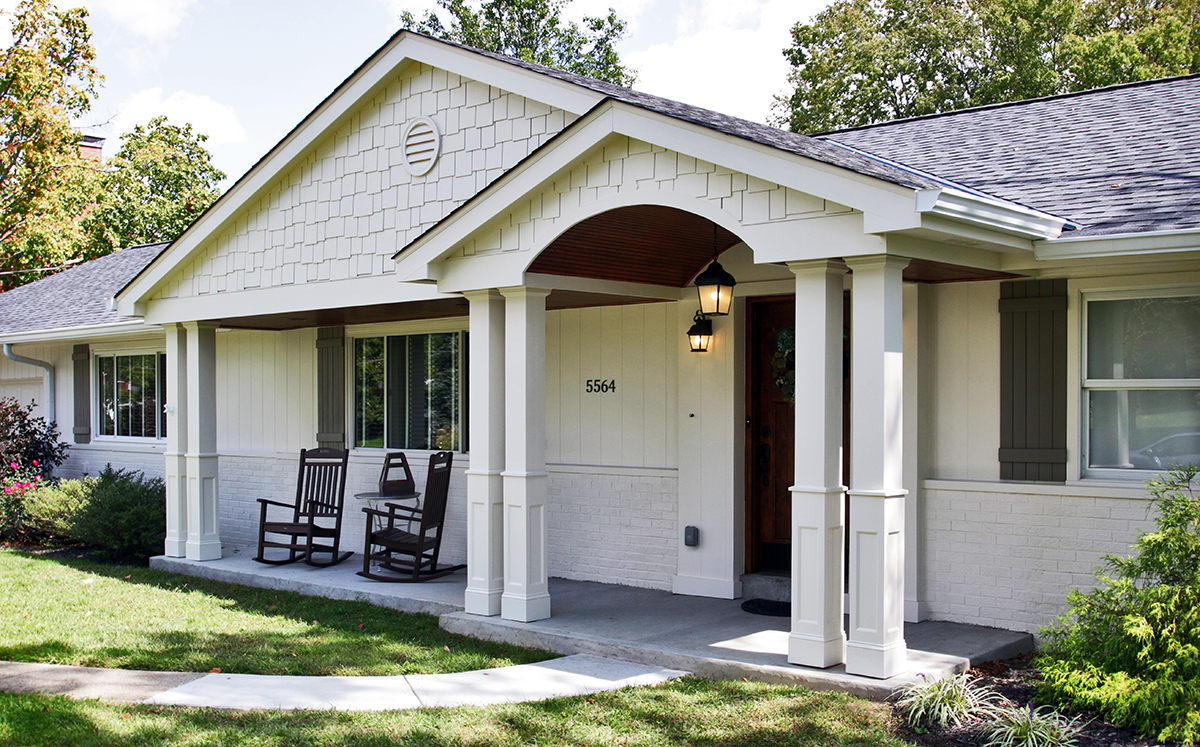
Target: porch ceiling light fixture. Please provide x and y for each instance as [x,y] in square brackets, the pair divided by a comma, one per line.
[715,286]
[700,334]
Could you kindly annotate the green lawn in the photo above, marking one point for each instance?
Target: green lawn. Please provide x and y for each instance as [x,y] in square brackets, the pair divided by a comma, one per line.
[122,617]
[685,712]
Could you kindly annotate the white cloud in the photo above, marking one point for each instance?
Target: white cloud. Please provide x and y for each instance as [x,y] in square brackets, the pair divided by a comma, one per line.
[152,19]
[206,116]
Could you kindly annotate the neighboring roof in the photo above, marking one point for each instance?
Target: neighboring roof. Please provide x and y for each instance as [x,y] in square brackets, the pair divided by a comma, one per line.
[1122,159]
[75,297]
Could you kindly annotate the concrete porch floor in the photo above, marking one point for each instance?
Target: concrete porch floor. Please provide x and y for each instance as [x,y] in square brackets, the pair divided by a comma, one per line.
[710,638]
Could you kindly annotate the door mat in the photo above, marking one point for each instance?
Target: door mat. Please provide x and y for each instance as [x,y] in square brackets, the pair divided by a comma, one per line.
[768,607]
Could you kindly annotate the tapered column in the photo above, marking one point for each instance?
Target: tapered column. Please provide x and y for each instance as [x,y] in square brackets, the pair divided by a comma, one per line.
[485,483]
[203,505]
[175,545]
[526,590]
[817,638]
[876,645]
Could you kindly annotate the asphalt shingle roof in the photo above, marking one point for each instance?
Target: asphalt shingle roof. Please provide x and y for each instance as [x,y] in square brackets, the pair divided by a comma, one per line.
[74,297]
[1123,159]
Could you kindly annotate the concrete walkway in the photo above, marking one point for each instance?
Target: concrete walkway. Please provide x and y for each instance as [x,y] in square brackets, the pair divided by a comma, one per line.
[569,676]
[710,638]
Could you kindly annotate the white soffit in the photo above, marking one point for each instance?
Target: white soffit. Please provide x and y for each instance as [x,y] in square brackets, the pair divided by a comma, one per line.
[1146,244]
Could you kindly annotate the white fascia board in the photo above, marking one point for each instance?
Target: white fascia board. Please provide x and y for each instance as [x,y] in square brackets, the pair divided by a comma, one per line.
[797,172]
[606,287]
[989,213]
[131,327]
[1123,245]
[346,99]
[330,294]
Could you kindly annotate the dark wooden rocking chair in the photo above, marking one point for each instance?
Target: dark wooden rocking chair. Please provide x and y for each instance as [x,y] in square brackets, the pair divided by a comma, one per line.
[413,555]
[320,491]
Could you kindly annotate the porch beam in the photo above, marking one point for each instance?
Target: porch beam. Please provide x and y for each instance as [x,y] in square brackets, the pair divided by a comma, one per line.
[175,545]
[876,643]
[818,513]
[203,501]
[526,586]
[485,481]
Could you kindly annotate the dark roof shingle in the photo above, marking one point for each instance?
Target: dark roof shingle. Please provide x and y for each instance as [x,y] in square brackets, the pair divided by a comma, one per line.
[75,297]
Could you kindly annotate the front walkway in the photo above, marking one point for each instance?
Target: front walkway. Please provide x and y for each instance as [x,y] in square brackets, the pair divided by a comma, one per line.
[710,638]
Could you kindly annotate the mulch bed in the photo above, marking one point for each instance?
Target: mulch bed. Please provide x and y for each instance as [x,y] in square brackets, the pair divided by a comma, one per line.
[1017,679]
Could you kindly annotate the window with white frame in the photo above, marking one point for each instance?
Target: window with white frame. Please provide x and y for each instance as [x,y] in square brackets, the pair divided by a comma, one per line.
[1142,380]
[130,393]
[409,391]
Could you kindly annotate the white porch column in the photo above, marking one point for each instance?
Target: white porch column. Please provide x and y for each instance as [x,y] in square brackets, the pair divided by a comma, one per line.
[203,534]
[876,646]
[817,638]
[176,455]
[526,589]
[485,483]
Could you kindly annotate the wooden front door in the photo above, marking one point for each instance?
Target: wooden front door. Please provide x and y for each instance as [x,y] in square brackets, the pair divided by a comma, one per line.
[771,420]
[771,424]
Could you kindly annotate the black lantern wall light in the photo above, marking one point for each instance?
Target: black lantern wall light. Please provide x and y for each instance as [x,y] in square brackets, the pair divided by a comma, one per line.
[714,287]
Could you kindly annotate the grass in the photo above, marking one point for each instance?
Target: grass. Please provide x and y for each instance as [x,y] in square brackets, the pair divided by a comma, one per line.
[686,712]
[123,617]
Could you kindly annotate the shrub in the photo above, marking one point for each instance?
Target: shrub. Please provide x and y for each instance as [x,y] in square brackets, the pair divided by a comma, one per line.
[1030,727]
[17,481]
[1130,648]
[946,702]
[27,440]
[125,512]
[53,509]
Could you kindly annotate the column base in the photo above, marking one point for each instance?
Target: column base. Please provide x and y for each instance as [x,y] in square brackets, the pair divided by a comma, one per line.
[808,651]
[525,609]
[482,602]
[203,551]
[175,548]
[879,662]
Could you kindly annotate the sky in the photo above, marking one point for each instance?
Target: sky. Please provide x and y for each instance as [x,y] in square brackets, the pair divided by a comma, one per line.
[245,72]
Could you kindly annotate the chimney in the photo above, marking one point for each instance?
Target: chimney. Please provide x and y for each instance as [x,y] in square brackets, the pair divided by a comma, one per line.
[90,147]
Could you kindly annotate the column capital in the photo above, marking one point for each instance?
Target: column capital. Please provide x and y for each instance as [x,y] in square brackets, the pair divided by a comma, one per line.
[524,291]
[202,324]
[806,266]
[483,294]
[877,262]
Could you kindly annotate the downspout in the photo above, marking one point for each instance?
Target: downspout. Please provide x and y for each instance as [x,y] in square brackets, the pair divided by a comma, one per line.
[8,353]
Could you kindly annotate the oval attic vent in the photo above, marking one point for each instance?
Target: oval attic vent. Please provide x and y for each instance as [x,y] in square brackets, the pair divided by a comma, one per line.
[422,146]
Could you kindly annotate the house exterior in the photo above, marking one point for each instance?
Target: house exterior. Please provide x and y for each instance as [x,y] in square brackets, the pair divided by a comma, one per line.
[957,347]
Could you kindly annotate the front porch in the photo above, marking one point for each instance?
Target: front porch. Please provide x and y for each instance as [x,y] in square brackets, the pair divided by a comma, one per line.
[710,638]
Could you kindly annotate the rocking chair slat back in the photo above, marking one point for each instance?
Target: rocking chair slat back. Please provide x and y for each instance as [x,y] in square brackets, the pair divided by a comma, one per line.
[437,488]
[321,487]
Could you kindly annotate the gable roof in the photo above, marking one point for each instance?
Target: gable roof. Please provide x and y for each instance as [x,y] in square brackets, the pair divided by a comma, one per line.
[76,297]
[1122,159]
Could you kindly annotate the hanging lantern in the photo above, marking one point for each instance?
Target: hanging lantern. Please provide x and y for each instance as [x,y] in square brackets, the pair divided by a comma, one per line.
[700,334]
[715,287]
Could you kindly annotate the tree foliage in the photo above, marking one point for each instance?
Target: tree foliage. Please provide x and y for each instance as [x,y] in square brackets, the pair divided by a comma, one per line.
[534,31]
[864,61]
[46,78]
[160,180]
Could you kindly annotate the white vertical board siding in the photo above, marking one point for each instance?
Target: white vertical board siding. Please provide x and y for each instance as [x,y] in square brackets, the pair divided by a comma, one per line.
[266,391]
[965,349]
[632,345]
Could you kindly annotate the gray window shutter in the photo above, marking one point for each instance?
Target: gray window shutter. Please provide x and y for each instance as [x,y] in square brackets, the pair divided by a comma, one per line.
[1033,380]
[81,358]
[331,387]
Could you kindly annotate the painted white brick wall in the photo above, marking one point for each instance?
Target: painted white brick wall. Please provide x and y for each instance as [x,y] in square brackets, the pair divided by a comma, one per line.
[1007,559]
[350,204]
[613,527]
[90,459]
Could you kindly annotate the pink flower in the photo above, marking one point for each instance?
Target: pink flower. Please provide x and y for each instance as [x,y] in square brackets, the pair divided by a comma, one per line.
[8,489]
[37,477]
[35,462]
[14,465]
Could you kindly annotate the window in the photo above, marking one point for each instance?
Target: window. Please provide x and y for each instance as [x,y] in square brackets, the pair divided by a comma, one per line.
[130,390]
[1142,382]
[409,391]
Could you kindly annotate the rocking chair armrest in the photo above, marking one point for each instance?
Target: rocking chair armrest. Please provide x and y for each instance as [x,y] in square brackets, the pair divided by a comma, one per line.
[265,501]
[394,507]
[382,514]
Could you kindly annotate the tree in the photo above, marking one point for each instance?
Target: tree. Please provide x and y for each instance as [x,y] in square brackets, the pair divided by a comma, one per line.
[534,31]
[46,78]
[160,181]
[865,61]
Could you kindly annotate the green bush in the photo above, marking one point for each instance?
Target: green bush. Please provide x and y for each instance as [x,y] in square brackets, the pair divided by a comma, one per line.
[53,509]
[946,702]
[1131,647]
[28,441]
[125,512]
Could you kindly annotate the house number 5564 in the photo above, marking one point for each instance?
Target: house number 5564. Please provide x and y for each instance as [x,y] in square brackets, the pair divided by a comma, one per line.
[601,385]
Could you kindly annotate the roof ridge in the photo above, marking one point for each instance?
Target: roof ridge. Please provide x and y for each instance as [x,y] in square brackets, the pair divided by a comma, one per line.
[1009,104]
